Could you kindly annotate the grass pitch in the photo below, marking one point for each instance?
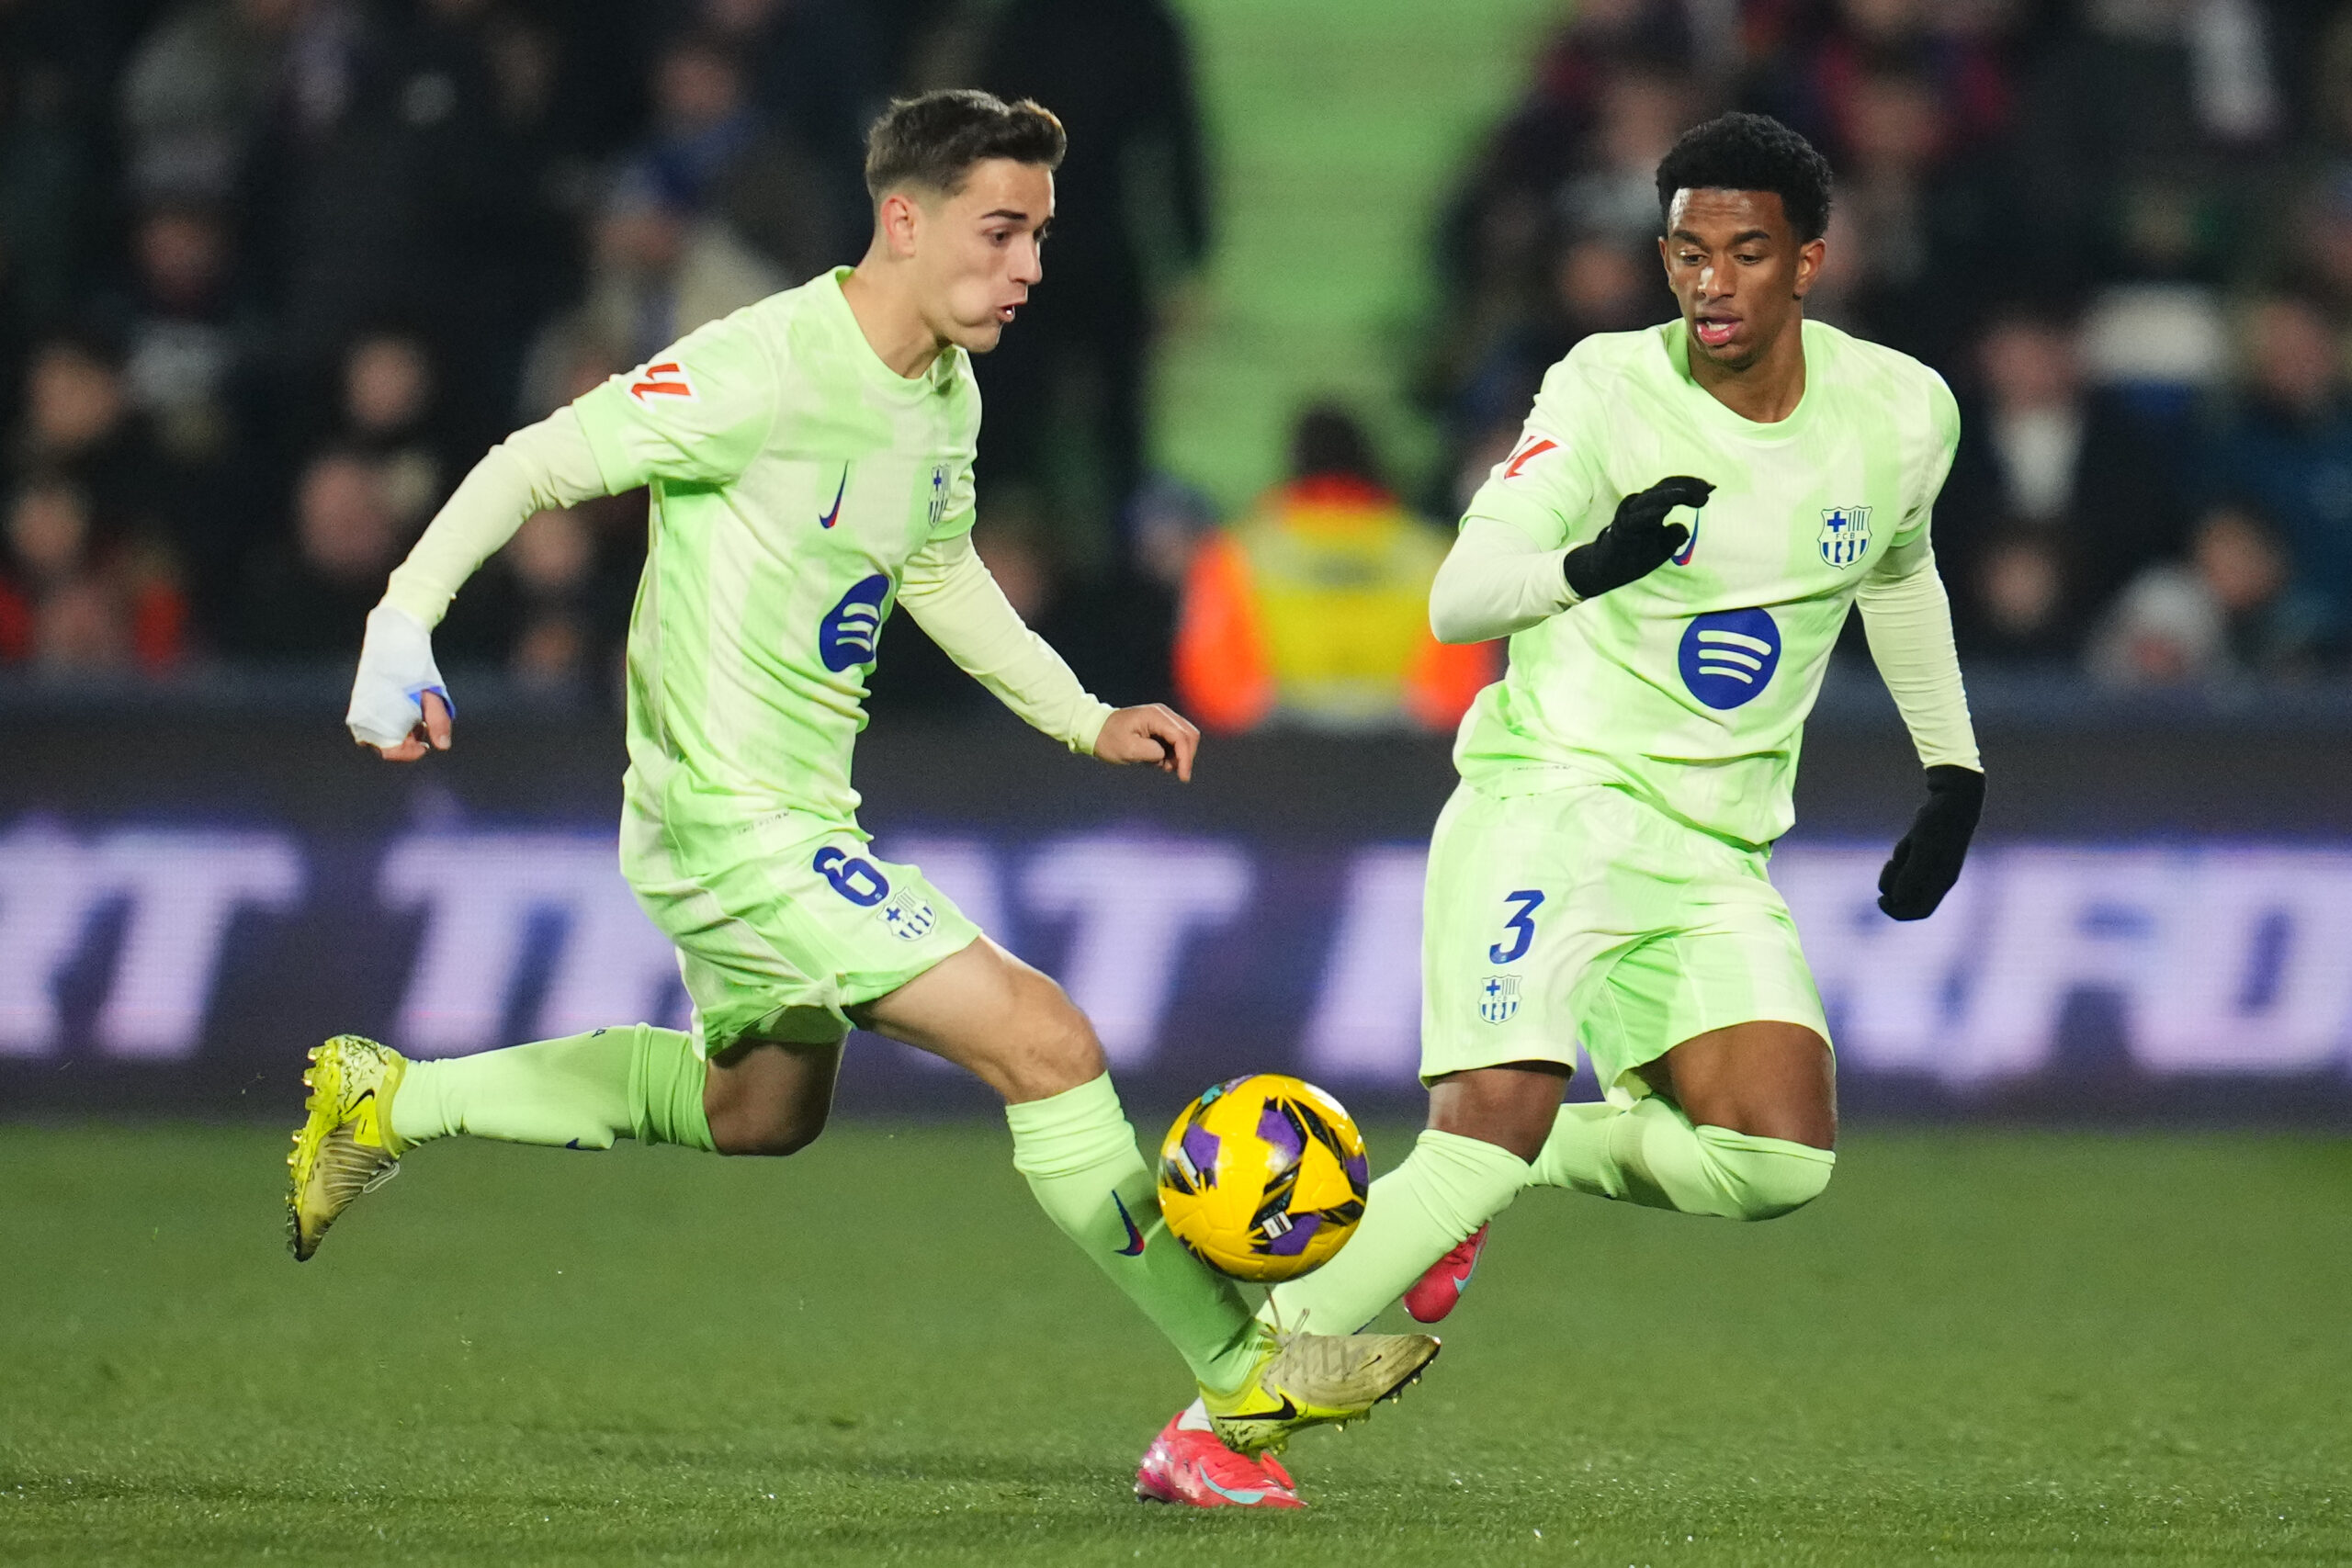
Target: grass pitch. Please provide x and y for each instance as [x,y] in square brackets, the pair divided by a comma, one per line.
[1982,1349]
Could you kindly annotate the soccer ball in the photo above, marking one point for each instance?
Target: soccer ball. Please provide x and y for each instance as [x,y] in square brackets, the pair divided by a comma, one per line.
[1264,1177]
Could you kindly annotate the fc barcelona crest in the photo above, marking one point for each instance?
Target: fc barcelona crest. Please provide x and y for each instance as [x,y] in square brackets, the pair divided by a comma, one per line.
[1498,998]
[1845,535]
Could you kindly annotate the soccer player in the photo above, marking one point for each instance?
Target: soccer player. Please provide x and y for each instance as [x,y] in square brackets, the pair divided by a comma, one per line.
[1672,548]
[809,458]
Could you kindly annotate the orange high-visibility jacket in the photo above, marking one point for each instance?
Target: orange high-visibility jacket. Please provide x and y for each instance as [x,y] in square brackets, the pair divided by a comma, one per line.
[1316,607]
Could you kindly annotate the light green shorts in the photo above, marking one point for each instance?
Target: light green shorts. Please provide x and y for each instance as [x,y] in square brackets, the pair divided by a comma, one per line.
[1582,912]
[785,922]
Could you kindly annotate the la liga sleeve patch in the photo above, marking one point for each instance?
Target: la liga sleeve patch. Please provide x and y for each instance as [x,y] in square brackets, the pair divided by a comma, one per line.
[667,378]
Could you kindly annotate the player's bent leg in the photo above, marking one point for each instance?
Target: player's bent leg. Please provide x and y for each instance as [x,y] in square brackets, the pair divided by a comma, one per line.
[1012,1026]
[1741,1127]
[770,1097]
[1463,1170]
[988,1011]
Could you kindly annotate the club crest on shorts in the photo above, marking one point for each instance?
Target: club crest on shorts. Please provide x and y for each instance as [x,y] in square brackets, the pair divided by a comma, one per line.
[1845,535]
[1498,998]
[909,917]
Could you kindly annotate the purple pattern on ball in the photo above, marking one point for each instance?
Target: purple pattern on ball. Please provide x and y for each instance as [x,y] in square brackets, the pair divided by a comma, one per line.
[1293,1242]
[1359,1169]
[1200,1147]
[1277,1132]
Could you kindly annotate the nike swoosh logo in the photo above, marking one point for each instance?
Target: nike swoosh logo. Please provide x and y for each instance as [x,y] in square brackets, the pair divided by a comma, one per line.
[1246,1497]
[830,518]
[1135,1237]
[1287,1411]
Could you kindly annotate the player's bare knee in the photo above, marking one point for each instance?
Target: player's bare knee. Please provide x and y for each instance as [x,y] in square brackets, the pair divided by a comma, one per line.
[771,1136]
[1059,1049]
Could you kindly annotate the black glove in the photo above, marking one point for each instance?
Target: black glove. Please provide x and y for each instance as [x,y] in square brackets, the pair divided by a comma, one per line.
[1927,862]
[1637,540]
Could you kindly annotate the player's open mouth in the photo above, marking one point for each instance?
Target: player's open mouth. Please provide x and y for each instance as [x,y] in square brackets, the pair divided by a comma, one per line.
[1716,332]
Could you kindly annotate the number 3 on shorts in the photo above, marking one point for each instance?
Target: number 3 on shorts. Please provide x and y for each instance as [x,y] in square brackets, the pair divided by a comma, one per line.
[1521,927]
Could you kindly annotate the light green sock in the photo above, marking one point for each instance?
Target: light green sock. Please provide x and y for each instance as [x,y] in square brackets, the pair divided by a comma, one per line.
[1446,1188]
[580,1092]
[1079,1155]
[1651,1155]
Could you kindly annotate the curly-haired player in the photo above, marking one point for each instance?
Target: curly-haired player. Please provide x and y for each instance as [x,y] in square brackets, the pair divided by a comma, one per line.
[1672,548]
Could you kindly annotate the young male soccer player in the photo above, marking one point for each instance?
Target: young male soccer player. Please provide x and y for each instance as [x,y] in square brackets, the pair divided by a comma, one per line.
[811,459]
[1672,548]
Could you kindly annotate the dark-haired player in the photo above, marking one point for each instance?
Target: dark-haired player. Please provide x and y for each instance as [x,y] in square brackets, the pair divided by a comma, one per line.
[1672,548]
[809,458]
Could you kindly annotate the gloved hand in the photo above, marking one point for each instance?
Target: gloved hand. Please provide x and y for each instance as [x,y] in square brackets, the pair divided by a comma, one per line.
[1927,862]
[395,669]
[1637,540]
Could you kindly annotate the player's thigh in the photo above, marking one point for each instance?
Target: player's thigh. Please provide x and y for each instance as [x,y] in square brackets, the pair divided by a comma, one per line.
[994,1016]
[770,1097]
[1768,1079]
[1526,898]
[782,925]
[1723,1015]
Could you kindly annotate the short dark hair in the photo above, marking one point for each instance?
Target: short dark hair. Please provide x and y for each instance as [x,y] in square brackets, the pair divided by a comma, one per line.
[1749,151]
[935,140]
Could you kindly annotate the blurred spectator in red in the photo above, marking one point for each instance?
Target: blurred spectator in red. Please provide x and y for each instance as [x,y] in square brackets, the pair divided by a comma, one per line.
[69,600]
[2056,499]
[1314,610]
[311,596]
[2222,613]
[2285,454]
[1065,391]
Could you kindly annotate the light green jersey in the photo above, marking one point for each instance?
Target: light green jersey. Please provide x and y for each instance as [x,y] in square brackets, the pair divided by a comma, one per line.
[1691,686]
[793,475]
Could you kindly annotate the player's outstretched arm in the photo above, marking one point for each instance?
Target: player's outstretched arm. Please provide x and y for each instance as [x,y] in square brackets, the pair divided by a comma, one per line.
[1908,620]
[400,704]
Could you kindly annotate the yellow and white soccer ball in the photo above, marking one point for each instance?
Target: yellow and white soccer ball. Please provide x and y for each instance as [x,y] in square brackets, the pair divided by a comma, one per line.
[1264,1177]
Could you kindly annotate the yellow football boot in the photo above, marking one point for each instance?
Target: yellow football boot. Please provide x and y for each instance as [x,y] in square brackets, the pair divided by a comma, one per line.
[1309,1380]
[345,1147]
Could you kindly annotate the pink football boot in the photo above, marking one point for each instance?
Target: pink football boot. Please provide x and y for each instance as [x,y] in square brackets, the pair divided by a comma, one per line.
[1195,1469]
[1434,1293]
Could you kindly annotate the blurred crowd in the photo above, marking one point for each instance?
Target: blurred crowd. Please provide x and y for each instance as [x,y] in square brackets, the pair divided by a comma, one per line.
[2121,228]
[273,273]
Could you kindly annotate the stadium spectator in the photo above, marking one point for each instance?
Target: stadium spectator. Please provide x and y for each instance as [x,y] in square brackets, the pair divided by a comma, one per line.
[189,339]
[310,595]
[1066,390]
[73,602]
[1314,610]
[195,93]
[388,415]
[2285,454]
[2222,613]
[2056,499]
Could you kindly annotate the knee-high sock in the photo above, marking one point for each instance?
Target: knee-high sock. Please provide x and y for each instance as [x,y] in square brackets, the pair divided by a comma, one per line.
[1079,1155]
[1446,1188]
[1651,1155]
[581,1092]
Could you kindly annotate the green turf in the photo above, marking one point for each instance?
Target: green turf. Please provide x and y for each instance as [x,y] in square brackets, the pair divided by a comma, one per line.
[1985,1348]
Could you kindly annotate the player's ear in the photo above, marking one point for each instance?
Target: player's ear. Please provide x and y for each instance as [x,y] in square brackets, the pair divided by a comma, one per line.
[1809,257]
[898,218]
